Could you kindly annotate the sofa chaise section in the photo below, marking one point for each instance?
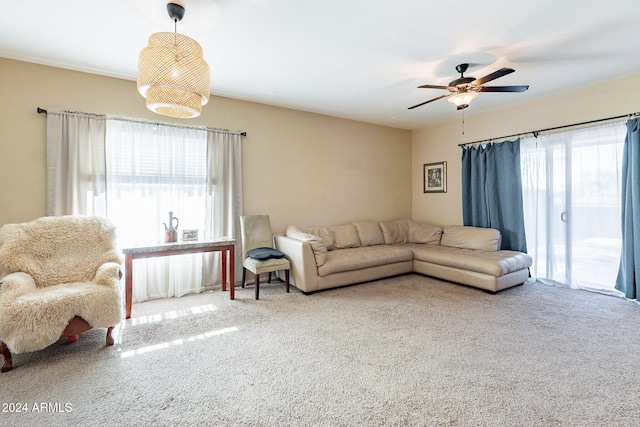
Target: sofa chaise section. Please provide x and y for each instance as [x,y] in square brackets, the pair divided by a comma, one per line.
[489,270]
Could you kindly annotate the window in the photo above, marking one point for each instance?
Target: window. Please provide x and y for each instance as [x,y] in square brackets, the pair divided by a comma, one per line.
[152,170]
[135,172]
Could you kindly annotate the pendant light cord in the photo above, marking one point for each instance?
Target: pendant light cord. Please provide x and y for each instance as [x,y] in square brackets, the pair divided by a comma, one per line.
[175,32]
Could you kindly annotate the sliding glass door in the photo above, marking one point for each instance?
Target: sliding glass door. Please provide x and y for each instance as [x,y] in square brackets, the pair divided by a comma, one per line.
[571,191]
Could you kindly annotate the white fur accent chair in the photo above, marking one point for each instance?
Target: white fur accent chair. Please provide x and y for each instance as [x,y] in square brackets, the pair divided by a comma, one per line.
[59,277]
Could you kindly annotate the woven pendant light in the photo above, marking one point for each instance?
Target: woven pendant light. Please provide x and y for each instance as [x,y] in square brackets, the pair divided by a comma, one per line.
[172,75]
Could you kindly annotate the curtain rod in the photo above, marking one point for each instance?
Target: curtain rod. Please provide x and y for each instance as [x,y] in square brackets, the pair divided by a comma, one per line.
[43,111]
[536,132]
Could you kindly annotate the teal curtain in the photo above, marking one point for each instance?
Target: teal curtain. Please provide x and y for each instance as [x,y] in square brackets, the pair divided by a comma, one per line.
[629,272]
[492,191]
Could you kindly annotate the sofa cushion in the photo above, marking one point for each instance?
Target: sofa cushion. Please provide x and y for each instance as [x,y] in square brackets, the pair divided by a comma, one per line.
[423,233]
[494,263]
[458,236]
[317,244]
[395,232]
[369,233]
[364,257]
[325,234]
[346,236]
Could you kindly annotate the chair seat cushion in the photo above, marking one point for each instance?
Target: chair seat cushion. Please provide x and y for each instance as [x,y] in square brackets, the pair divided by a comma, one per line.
[262,254]
[265,266]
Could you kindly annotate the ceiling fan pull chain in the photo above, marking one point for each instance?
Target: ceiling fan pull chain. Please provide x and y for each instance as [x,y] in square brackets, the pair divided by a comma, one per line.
[463,122]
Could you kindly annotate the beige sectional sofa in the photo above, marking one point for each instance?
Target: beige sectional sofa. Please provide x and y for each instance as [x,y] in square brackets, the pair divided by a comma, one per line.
[329,257]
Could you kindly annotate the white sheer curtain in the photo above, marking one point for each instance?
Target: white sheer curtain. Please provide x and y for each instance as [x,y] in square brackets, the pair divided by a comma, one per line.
[75,163]
[571,194]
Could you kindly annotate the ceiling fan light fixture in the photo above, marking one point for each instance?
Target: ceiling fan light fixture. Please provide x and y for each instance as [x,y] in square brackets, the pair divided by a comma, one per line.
[463,99]
[463,90]
[172,74]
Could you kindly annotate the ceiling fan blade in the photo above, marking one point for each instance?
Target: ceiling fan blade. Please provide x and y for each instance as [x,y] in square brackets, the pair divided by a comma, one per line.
[496,74]
[503,88]
[426,102]
[433,87]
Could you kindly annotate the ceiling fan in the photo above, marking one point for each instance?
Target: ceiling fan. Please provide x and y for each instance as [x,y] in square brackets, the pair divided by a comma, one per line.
[463,90]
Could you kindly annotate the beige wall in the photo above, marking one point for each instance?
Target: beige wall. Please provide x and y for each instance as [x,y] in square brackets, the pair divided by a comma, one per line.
[300,168]
[438,143]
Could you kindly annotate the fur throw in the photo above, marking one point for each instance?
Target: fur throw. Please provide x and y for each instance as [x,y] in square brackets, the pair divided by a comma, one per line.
[53,269]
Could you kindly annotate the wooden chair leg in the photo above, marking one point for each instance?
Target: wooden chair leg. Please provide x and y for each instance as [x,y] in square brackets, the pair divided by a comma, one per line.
[286,276]
[257,286]
[244,275]
[110,339]
[8,363]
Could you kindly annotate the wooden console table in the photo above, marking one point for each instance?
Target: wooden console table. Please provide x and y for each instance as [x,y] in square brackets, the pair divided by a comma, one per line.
[225,246]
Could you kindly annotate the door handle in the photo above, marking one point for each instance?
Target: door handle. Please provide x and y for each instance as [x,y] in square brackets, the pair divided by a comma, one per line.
[564,217]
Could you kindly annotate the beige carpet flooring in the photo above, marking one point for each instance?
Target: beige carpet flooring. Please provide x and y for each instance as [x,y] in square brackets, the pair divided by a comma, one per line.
[405,351]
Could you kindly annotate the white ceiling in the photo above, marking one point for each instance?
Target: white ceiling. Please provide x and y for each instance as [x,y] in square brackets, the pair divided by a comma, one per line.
[357,59]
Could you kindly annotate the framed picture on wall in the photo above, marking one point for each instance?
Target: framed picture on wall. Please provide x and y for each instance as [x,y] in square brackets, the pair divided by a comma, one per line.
[435,177]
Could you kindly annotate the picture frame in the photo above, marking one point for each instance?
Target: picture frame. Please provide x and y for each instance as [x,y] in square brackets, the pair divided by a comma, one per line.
[189,235]
[435,177]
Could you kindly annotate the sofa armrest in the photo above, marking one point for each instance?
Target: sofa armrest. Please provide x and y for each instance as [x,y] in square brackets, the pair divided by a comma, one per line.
[304,271]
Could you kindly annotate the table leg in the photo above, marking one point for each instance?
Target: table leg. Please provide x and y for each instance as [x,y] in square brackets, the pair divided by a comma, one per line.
[223,269]
[232,272]
[128,283]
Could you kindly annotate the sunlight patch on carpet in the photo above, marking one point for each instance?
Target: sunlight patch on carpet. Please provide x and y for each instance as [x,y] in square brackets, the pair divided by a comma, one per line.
[173,314]
[178,342]
[159,317]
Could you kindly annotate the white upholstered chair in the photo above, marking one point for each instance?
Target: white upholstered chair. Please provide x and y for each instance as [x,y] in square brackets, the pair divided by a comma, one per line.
[59,277]
[255,231]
